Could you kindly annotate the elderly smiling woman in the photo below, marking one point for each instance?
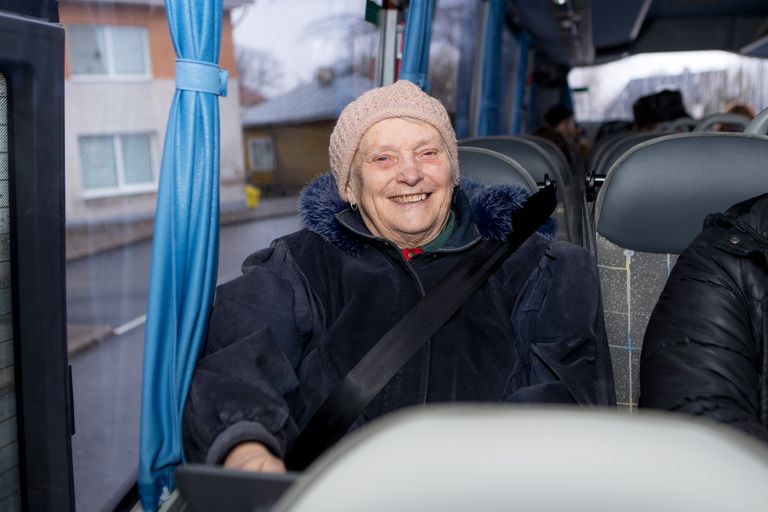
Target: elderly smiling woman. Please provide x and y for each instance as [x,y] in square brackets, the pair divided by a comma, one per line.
[388,223]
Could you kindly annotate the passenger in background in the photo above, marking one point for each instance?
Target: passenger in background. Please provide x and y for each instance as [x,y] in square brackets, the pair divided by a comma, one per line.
[381,231]
[736,107]
[560,119]
[706,347]
[657,108]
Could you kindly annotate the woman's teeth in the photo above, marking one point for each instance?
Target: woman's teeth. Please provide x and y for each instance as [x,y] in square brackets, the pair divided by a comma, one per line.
[409,199]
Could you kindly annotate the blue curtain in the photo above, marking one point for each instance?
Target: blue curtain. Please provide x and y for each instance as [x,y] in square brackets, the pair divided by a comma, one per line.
[186,240]
[490,115]
[418,34]
[524,41]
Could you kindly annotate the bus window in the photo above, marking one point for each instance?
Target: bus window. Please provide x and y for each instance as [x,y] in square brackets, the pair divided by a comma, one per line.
[709,82]
[292,69]
[9,470]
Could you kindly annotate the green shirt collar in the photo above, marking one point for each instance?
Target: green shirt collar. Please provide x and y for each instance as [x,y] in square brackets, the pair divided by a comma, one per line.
[444,235]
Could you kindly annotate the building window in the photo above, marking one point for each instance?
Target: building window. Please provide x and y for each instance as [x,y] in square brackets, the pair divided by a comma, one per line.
[261,152]
[117,163]
[108,52]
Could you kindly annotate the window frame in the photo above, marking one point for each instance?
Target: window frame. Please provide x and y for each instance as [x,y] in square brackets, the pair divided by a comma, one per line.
[32,61]
[122,187]
[251,153]
[111,75]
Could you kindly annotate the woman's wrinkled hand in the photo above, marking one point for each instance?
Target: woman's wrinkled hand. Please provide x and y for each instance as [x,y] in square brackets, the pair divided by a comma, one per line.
[252,456]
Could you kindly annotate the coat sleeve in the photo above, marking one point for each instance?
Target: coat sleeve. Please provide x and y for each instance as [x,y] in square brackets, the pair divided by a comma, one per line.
[569,356]
[700,355]
[245,384]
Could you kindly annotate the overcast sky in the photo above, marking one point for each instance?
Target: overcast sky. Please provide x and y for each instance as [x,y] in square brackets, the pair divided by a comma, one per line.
[287,30]
[292,31]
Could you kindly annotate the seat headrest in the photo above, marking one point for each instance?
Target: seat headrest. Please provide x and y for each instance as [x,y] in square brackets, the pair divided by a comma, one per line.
[656,196]
[494,168]
[528,153]
[500,457]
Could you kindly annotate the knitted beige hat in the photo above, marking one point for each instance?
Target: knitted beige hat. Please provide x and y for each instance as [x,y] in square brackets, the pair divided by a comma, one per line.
[401,99]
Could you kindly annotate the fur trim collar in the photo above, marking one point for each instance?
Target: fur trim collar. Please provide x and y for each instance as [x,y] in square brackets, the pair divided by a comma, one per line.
[490,207]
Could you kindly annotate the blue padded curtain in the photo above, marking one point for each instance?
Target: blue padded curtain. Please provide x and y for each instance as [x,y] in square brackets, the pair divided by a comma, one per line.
[490,115]
[524,41]
[418,34]
[186,239]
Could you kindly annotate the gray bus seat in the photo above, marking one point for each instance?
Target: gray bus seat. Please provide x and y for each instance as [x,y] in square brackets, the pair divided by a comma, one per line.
[613,150]
[494,168]
[532,157]
[681,124]
[758,125]
[599,151]
[539,164]
[504,457]
[651,206]
[710,121]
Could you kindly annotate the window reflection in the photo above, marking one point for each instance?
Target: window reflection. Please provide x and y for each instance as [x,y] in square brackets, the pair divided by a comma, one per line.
[9,459]
[119,84]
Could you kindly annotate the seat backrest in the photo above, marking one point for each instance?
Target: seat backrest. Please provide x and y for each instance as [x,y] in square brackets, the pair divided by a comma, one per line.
[501,457]
[557,156]
[534,159]
[618,147]
[728,118]
[539,164]
[651,206]
[494,168]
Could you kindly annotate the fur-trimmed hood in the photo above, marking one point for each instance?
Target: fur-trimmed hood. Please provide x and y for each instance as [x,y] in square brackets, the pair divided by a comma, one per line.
[490,207]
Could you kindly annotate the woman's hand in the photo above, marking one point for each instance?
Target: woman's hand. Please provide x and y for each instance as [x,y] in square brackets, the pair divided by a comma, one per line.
[252,456]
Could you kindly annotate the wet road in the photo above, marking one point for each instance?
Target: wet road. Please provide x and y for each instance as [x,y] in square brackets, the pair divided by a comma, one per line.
[108,290]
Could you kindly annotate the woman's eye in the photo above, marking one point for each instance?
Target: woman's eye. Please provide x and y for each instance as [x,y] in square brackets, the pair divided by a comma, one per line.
[382,159]
[430,153]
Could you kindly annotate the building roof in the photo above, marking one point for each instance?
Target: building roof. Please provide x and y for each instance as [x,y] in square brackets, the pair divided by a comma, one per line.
[227,4]
[310,101]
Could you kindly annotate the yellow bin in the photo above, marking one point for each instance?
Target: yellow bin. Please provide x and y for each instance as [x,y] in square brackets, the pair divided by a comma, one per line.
[252,196]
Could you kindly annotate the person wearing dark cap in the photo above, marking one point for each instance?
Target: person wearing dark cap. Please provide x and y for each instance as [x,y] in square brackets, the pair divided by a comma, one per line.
[650,110]
[560,119]
[382,229]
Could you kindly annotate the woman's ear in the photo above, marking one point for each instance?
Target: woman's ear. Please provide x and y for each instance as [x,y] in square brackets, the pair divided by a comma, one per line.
[350,193]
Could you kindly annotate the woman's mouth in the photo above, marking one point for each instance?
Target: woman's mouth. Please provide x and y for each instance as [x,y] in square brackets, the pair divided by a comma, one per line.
[411,198]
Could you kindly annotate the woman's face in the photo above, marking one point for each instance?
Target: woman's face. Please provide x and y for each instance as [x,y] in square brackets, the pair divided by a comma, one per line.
[401,181]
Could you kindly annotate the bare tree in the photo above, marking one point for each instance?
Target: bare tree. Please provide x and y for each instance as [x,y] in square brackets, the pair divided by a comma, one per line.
[259,70]
[349,33]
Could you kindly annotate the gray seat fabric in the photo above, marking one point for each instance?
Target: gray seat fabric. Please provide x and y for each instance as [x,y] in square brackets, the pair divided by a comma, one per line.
[613,150]
[657,194]
[649,209]
[539,164]
[494,168]
[723,117]
[501,457]
[554,153]
[681,124]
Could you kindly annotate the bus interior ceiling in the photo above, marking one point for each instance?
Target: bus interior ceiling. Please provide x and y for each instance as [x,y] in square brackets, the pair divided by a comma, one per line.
[572,33]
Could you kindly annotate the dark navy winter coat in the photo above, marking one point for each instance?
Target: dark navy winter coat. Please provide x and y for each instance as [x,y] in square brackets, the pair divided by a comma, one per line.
[310,306]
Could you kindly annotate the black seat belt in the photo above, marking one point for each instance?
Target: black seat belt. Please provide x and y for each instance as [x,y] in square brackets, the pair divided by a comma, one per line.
[377,367]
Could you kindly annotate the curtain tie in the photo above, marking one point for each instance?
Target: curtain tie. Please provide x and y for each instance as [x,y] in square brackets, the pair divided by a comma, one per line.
[201,76]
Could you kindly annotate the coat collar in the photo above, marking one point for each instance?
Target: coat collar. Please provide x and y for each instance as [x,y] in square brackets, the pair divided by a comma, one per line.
[485,211]
[746,225]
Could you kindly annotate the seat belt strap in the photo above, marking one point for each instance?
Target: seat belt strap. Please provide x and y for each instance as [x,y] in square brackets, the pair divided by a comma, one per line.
[377,367]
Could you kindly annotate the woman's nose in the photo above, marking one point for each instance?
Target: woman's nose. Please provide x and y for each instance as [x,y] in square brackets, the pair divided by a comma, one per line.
[410,170]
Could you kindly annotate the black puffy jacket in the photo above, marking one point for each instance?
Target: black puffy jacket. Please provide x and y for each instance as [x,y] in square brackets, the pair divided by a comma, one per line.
[704,352]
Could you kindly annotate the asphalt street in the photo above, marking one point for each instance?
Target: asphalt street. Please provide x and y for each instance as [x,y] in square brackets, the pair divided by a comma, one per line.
[106,295]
